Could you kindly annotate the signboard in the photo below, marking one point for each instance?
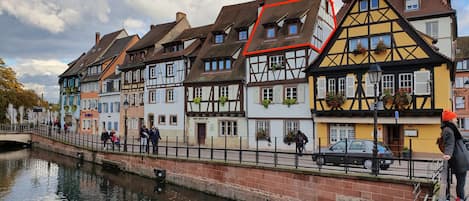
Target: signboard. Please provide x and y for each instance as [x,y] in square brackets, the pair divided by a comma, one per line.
[410,133]
[37,109]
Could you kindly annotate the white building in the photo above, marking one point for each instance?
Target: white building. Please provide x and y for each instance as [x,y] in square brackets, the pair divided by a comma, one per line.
[110,104]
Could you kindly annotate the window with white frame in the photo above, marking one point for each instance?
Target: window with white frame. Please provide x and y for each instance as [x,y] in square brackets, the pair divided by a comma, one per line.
[412,5]
[462,65]
[268,94]
[173,120]
[198,92]
[374,4]
[228,128]
[341,86]
[263,127]
[460,102]
[140,98]
[291,126]
[290,93]
[128,76]
[219,38]
[462,123]
[169,70]
[387,83]
[152,72]
[459,82]
[331,86]
[405,82]
[161,120]
[152,96]
[358,44]
[276,62]
[137,76]
[338,132]
[432,29]
[363,5]
[224,91]
[142,75]
[169,95]
[383,39]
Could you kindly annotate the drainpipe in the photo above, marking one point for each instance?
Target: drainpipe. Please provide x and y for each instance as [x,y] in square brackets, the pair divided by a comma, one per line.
[246,102]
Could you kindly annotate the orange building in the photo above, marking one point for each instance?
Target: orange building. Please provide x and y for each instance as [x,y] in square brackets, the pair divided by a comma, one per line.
[461,87]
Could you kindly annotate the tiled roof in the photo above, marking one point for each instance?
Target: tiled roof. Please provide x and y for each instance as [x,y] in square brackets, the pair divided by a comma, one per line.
[156,33]
[462,48]
[117,47]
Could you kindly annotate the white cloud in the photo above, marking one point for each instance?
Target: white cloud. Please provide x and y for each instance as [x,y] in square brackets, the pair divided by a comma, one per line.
[39,67]
[463,19]
[55,15]
[51,93]
[134,25]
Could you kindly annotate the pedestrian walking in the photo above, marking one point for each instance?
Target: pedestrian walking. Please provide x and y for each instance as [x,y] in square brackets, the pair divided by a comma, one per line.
[144,135]
[455,152]
[300,140]
[155,138]
[104,138]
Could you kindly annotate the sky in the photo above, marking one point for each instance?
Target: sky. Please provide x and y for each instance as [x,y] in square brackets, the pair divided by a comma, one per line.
[39,37]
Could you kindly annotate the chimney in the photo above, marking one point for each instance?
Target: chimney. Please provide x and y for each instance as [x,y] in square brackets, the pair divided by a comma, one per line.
[98,37]
[180,16]
[152,26]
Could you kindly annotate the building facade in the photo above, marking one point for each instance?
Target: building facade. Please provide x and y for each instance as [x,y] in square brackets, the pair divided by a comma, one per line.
[416,81]
[286,39]
[461,88]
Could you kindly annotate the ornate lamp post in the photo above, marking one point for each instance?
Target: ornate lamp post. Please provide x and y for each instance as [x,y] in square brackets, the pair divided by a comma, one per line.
[126,107]
[375,76]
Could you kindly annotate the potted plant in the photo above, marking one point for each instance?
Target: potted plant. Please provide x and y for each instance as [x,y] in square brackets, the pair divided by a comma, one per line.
[197,100]
[66,108]
[74,108]
[334,100]
[223,100]
[387,98]
[402,99]
[359,49]
[266,103]
[289,137]
[276,66]
[289,101]
[405,152]
[68,90]
[261,134]
[381,47]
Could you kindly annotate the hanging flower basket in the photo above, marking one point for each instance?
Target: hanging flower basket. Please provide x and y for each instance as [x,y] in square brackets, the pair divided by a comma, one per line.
[223,100]
[68,90]
[74,108]
[335,100]
[266,103]
[262,135]
[66,108]
[359,50]
[387,98]
[402,99]
[381,47]
[289,101]
[197,100]
[289,138]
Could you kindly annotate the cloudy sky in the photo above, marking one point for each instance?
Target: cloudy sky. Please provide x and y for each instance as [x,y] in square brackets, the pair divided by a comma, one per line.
[39,37]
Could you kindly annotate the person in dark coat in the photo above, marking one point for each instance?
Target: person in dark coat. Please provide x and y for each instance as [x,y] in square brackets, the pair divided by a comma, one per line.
[301,140]
[144,135]
[455,151]
[104,138]
[155,138]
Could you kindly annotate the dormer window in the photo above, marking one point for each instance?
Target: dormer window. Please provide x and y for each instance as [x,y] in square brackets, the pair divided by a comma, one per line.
[373,4]
[142,55]
[217,65]
[132,57]
[293,29]
[219,38]
[173,48]
[270,33]
[243,34]
[412,5]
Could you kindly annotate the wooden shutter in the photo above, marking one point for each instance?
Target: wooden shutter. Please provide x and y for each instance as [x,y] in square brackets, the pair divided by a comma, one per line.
[321,88]
[255,95]
[278,94]
[421,83]
[368,87]
[301,93]
[350,86]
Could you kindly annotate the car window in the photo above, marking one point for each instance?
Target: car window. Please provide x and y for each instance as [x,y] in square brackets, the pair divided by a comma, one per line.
[381,148]
[357,145]
[338,146]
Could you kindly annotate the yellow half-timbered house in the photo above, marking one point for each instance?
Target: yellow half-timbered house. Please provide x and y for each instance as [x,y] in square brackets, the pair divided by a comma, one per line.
[414,88]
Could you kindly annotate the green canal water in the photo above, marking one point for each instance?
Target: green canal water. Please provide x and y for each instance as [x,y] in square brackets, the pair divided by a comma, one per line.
[33,174]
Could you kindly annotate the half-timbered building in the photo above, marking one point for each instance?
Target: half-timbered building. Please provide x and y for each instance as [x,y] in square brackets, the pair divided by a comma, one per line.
[133,69]
[214,88]
[286,38]
[413,90]
[166,70]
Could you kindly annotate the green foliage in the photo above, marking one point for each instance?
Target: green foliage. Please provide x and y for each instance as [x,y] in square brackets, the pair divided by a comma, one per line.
[197,100]
[266,103]
[66,108]
[223,100]
[261,134]
[334,100]
[380,47]
[289,137]
[289,101]
[74,108]
[359,50]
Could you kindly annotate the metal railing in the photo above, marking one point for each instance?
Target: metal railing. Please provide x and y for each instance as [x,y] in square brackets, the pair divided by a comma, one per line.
[402,167]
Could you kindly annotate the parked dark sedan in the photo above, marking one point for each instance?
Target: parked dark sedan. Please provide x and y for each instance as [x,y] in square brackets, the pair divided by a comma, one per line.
[358,152]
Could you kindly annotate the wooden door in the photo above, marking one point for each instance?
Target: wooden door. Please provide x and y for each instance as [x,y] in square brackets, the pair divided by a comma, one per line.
[394,138]
[201,133]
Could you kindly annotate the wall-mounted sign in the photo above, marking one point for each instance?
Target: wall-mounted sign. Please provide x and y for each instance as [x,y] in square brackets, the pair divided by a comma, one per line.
[410,133]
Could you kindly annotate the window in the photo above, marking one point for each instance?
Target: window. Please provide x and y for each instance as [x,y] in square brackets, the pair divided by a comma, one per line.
[142,55]
[460,102]
[142,75]
[243,35]
[384,39]
[338,132]
[219,38]
[339,147]
[271,32]
[198,92]
[405,82]
[169,70]
[387,84]
[224,91]
[263,126]
[267,94]
[412,5]
[331,86]
[109,126]
[173,120]
[357,146]
[218,65]
[132,57]
[374,4]
[293,29]
[221,64]
[111,107]
[207,66]
[228,128]
[290,93]
[432,29]
[140,98]
[228,64]
[462,123]
[354,44]
[161,120]
[116,126]
[152,96]
[152,72]
[460,81]
[363,5]
[169,95]
[136,75]
[276,62]
[129,76]
[291,126]
[214,65]
[118,107]
[341,86]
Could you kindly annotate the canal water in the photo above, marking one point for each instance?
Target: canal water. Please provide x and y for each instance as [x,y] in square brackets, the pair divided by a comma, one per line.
[33,174]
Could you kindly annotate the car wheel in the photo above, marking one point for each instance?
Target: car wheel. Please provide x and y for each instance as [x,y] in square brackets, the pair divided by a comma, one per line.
[320,160]
[367,164]
[384,167]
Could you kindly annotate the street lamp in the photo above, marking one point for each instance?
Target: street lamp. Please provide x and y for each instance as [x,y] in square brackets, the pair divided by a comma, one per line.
[374,75]
[126,107]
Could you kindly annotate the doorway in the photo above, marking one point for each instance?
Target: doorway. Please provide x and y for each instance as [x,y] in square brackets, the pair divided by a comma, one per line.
[394,138]
[201,133]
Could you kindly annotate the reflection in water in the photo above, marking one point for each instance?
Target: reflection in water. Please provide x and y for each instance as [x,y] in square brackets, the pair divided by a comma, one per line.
[40,175]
